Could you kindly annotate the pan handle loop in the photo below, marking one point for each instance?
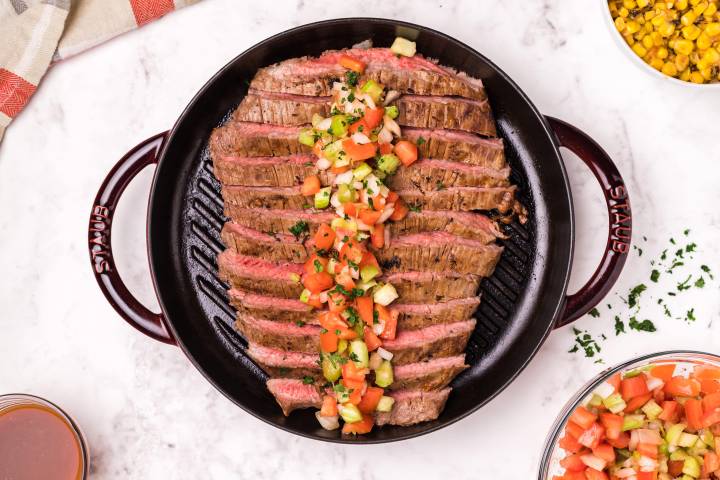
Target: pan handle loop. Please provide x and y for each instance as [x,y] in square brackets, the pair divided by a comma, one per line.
[619,214]
[100,247]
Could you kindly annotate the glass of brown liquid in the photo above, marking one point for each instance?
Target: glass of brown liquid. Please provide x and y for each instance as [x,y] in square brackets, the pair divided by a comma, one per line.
[39,441]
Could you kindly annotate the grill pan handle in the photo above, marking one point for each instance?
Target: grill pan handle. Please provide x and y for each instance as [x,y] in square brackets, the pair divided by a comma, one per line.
[99,234]
[619,214]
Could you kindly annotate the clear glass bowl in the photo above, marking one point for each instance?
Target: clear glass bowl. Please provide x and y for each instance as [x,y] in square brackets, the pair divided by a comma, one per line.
[685,359]
[18,399]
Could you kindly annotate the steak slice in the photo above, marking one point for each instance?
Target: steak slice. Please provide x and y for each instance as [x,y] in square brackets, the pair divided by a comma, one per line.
[280,247]
[455,198]
[256,275]
[414,406]
[292,170]
[245,139]
[441,340]
[428,287]
[457,146]
[293,394]
[453,113]
[439,251]
[279,335]
[427,375]
[464,224]
[271,308]
[416,316]
[315,75]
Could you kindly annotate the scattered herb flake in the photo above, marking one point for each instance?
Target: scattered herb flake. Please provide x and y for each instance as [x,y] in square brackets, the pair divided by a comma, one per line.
[644,326]
[307,380]
[619,326]
[594,313]
[299,228]
[700,282]
[690,315]
[634,294]
[420,141]
[655,275]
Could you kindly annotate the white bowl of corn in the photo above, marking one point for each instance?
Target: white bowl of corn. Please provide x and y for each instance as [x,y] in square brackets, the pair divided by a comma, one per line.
[678,40]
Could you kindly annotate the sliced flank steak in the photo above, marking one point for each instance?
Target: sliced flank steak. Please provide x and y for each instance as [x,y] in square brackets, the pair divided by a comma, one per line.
[425,375]
[457,146]
[426,174]
[414,406]
[437,252]
[265,171]
[435,341]
[256,275]
[453,198]
[465,224]
[279,335]
[279,247]
[413,316]
[314,76]
[272,308]
[292,394]
[452,113]
[428,287]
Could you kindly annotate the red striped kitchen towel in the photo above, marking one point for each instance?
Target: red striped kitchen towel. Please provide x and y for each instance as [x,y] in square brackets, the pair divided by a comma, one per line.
[35,33]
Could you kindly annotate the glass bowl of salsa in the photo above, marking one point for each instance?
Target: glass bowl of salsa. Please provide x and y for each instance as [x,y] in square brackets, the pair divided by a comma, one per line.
[39,440]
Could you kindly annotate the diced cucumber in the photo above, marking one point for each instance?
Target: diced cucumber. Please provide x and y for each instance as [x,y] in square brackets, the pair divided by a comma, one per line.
[385,295]
[374,89]
[595,400]
[691,467]
[631,422]
[687,440]
[388,163]
[403,46]
[305,295]
[652,409]
[331,369]
[342,345]
[346,193]
[368,272]
[384,375]
[708,439]
[341,223]
[349,413]
[615,403]
[332,150]
[362,171]
[385,404]
[673,433]
[307,137]
[366,285]
[295,277]
[359,351]
[322,197]
[678,455]
[339,125]
[392,111]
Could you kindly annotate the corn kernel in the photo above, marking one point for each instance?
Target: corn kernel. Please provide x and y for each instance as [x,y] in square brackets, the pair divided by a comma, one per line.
[703,41]
[643,3]
[623,12]
[639,50]
[710,10]
[712,29]
[669,69]
[685,75]
[694,2]
[682,62]
[684,46]
[662,53]
[658,20]
[632,26]
[620,24]
[656,63]
[666,29]
[696,77]
[706,73]
[700,8]
[711,56]
[681,4]
[691,32]
[657,39]
[688,18]
[629,4]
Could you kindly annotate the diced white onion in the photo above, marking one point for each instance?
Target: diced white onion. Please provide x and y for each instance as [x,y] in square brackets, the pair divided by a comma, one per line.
[324,296]
[363,197]
[325,124]
[364,45]
[384,136]
[363,227]
[362,236]
[375,360]
[323,164]
[391,96]
[650,437]
[373,184]
[391,125]
[633,440]
[335,200]
[360,138]
[604,390]
[653,382]
[354,273]
[386,214]
[378,327]
[387,236]
[340,211]
[338,86]
[384,191]
[345,177]
[357,185]
[625,472]
[328,423]
[593,461]
[367,99]
[384,353]
[647,464]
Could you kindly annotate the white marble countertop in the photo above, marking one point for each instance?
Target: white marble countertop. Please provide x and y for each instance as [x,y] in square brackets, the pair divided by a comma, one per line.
[149,414]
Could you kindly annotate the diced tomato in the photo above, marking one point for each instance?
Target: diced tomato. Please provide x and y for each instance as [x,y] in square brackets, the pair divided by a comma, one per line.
[389,317]
[371,340]
[670,408]
[365,309]
[583,417]
[316,282]
[329,341]
[573,463]
[711,402]
[647,476]
[311,185]
[369,217]
[337,302]
[338,170]
[682,387]
[377,237]
[613,425]
[352,251]
[311,267]
[711,463]
[633,387]
[324,237]
[370,400]
[318,148]
[331,321]
[353,209]
[314,300]
[573,476]
[352,372]
[401,210]
[355,389]
[569,444]
[706,372]
[708,385]
[592,474]
[352,63]
[575,430]
[363,426]
[592,436]
[647,450]
[378,202]
[605,452]
[407,152]
[392,196]
[373,117]
[711,418]
[663,371]
[675,467]
[347,334]
[621,442]
[357,151]
[694,413]
[637,402]
[329,407]
[360,126]
[385,148]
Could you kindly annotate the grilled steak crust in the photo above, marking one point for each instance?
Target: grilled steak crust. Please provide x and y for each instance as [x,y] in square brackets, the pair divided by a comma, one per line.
[444,340]
[244,139]
[457,147]
[258,276]
[455,198]
[278,248]
[283,364]
[265,171]
[414,406]
[428,287]
[315,76]
[417,316]
[436,252]
[280,335]
[271,308]
[293,394]
[427,174]
[414,111]
[426,376]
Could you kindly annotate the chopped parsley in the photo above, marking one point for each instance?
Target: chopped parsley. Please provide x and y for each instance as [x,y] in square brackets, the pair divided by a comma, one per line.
[440,185]
[635,293]
[307,380]
[594,313]
[299,323]
[584,341]
[351,78]
[619,326]
[414,207]
[420,141]
[299,228]
[354,357]
[351,97]
[644,326]
[700,282]
[655,275]
[318,266]
[690,315]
